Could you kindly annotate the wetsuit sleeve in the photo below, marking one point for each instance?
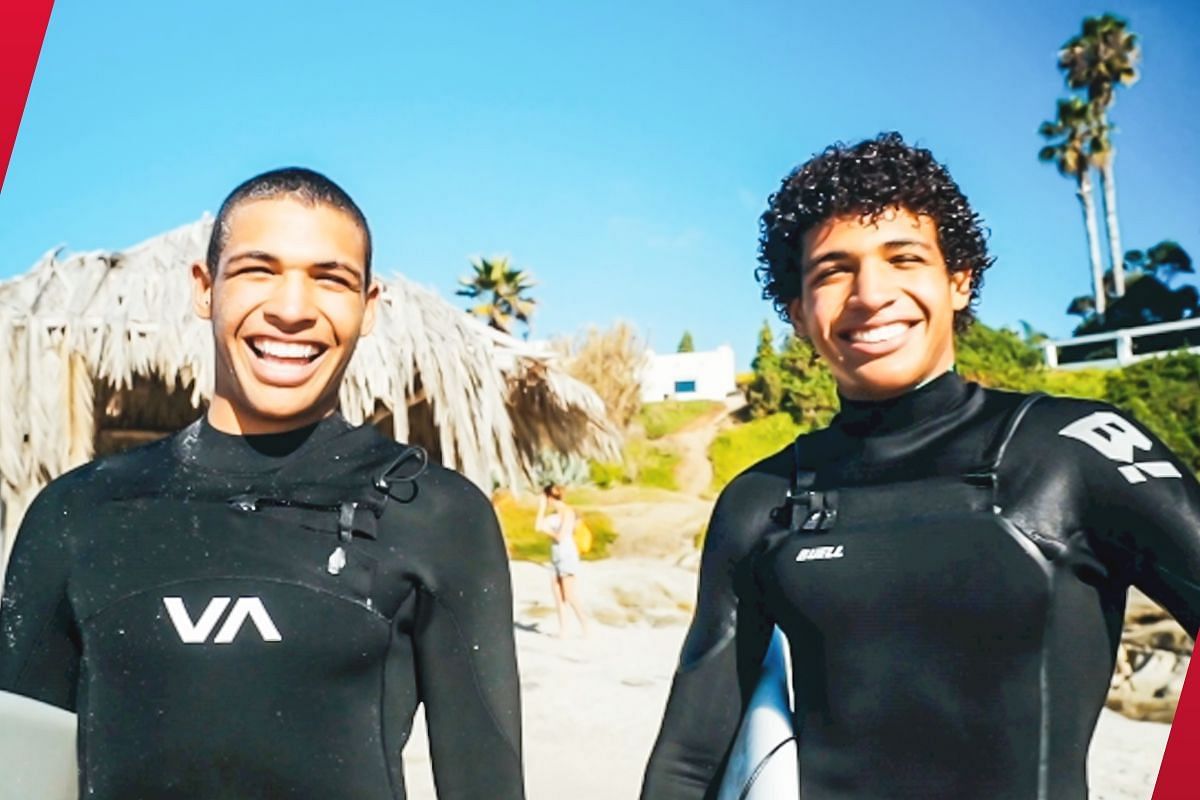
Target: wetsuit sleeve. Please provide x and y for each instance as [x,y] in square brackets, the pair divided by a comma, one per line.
[1144,506]
[719,665]
[39,641]
[466,657]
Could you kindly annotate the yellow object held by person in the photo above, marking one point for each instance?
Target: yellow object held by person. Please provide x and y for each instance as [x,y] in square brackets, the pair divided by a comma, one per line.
[583,536]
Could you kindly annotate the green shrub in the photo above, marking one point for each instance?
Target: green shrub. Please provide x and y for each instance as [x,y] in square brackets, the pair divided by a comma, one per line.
[1091,384]
[603,534]
[644,464]
[735,449]
[607,474]
[1164,395]
[998,358]
[516,523]
[650,465]
[560,468]
[663,419]
[1002,360]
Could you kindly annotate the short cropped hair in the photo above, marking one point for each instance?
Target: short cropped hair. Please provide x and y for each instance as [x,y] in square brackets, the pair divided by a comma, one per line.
[303,185]
[866,179]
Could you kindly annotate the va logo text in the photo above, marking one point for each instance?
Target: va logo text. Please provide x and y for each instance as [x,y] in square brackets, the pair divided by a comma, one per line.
[246,608]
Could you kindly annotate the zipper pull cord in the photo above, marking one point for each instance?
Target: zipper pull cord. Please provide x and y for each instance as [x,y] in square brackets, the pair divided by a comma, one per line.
[337,559]
[387,476]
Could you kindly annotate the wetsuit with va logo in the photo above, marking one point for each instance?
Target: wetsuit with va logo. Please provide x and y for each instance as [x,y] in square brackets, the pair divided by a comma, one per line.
[238,617]
[950,568]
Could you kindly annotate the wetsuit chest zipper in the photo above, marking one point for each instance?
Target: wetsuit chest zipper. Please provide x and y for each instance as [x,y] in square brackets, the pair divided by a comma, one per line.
[387,479]
[345,523]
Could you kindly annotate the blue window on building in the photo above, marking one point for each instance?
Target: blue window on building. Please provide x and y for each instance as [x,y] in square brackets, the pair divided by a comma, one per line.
[683,387]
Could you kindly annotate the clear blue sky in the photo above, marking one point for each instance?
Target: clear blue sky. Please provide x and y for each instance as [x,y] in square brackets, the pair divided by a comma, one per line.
[622,151]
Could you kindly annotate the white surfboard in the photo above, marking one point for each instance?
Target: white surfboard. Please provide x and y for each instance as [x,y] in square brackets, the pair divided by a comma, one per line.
[763,762]
[37,750]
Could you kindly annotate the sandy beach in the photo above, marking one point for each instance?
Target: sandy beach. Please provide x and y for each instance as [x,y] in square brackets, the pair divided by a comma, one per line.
[592,706]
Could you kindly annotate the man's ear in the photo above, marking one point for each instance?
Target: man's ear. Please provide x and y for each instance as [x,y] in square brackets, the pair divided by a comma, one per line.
[960,288]
[372,302]
[202,281]
[795,310]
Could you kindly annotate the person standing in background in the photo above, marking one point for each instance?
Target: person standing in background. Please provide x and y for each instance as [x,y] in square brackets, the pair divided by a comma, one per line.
[557,519]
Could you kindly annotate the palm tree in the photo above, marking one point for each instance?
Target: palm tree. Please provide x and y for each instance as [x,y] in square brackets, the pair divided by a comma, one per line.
[1067,148]
[503,289]
[1103,56]
[1101,153]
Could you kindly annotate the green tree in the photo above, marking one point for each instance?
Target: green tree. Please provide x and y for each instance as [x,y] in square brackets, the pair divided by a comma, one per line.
[1067,148]
[765,392]
[1164,260]
[809,390]
[1149,297]
[503,290]
[793,380]
[1103,56]
[686,345]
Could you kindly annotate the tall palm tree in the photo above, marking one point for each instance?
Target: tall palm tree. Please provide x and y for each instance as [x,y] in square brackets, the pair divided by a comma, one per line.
[1103,56]
[1101,153]
[503,290]
[1067,148]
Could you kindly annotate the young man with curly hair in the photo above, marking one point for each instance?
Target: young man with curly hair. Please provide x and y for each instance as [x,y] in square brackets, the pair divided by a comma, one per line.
[949,563]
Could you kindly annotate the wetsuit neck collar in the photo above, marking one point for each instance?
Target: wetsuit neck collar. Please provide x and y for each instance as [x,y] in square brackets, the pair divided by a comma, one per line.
[930,400]
[208,447]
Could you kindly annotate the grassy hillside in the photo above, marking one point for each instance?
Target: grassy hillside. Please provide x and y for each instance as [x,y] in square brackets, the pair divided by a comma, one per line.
[662,419]
[738,447]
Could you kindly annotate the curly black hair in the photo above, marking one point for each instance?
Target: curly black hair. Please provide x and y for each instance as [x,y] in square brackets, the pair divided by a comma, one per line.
[867,179]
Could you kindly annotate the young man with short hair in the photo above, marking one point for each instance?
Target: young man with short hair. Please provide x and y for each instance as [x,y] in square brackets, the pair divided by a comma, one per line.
[949,563]
[255,606]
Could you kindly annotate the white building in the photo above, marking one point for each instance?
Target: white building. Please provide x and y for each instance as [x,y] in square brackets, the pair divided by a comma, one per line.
[689,376]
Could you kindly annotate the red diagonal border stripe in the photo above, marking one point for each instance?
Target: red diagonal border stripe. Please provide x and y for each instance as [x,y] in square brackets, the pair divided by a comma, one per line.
[1179,775]
[22,30]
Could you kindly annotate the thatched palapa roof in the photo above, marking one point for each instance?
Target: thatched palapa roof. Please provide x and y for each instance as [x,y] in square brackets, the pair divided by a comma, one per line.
[101,350]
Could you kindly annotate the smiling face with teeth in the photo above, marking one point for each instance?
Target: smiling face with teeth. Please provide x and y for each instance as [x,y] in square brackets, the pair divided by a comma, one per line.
[288,303]
[878,302]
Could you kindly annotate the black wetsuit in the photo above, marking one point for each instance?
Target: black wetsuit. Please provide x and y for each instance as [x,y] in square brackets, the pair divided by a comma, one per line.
[258,617]
[951,576]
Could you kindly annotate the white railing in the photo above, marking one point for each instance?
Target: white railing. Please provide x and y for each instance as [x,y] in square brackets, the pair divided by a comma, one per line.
[1124,339]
